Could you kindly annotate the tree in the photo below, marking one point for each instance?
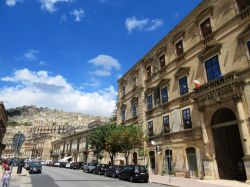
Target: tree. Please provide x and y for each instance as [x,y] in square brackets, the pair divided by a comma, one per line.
[113,117]
[104,138]
[97,138]
[113,142]
[114,138]
[131,137]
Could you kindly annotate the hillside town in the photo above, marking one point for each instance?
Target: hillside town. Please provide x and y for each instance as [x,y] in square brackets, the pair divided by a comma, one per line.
[181,115]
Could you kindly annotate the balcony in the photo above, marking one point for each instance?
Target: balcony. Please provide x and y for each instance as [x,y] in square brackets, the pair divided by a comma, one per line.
[186,98]
[216,90]
[245,13]
[132,120]
[180,58]
[208,39]
[184,135]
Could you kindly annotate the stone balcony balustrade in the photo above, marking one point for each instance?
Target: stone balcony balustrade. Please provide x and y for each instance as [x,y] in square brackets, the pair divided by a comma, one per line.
[192,133]
[216,90]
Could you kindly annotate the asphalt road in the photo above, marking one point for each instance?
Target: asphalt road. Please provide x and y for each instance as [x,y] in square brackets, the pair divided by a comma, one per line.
[60,177]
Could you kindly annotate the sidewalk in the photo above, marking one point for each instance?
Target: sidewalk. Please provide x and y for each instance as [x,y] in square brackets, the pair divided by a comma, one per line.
[19,180]
[185,182]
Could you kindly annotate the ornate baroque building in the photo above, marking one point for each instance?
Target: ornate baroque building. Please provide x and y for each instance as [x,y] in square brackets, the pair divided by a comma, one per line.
[3,124]
[195,131]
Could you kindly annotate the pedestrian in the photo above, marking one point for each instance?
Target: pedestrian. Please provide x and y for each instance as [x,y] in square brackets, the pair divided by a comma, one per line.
[5,165]
[6,177]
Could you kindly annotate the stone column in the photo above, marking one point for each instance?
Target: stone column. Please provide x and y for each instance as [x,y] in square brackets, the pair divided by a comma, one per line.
[206,158]
[244,135]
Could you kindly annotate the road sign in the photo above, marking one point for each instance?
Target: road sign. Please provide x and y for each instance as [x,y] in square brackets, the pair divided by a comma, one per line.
[18,140]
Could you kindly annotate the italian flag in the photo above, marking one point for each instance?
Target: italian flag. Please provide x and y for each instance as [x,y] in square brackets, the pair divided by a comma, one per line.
[197,84]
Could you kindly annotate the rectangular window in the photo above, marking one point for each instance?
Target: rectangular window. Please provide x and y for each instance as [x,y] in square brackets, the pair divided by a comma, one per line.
[183,85]
[206,28]
[150,128]
[242,4]
[166,127]
[123,114]
[179,48]
[149,72]
[123,90]
[150,103]
[213,68]
[134,82]
[162,61]
[248,46]
[164,95]
[134,109]
[186,116]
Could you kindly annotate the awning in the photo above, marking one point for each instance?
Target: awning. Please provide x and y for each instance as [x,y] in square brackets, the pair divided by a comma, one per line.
[65,159]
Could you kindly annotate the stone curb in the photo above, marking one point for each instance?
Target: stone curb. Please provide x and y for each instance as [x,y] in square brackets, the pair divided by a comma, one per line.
[163,184]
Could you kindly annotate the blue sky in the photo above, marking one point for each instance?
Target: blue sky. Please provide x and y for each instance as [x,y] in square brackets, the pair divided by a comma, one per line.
[68,54]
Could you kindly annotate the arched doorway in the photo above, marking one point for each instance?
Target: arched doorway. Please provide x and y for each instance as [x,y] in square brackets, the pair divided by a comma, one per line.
[135,158]
[192,161]
[168,161]
[227,144]
[152,161]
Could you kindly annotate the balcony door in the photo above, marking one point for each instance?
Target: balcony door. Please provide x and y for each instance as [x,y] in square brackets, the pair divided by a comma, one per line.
[213,68]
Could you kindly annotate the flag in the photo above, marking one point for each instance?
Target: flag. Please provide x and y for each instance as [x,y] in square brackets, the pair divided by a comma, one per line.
[197,84]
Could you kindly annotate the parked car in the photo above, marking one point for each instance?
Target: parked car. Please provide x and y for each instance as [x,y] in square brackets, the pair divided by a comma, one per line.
[113,171]
[56,164]
[134,173]
[27,165]
[35,167]
[100,168]
[89,167]
[72,165]
[68,165]
[77,165]
[63,164]
[51,163]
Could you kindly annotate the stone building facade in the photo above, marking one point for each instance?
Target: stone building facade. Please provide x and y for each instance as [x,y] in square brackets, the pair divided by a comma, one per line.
[3,124]
[76,146]
[191,95]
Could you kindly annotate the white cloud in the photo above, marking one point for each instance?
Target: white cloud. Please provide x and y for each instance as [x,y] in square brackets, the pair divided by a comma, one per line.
[155,23]
[30,55]
[63,18]
[43,89]
[11,3]
[49,5]
[78,14]
[104,65]
[132,23]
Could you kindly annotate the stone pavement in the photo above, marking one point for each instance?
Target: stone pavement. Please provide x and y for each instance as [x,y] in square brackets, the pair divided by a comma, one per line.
[186,182]
[19,180]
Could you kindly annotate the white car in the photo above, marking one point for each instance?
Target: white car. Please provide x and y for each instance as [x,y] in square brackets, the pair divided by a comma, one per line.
[57,164]
[68,164]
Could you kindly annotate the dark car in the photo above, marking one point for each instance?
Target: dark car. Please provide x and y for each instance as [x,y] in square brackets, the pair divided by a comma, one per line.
[35,167]
[100,168]
[134,173]
[77,165]
[89,167]
[113,171]
[63,164]
[27,165]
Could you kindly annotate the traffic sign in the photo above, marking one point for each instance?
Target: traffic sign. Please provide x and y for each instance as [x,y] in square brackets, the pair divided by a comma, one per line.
[18,140]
